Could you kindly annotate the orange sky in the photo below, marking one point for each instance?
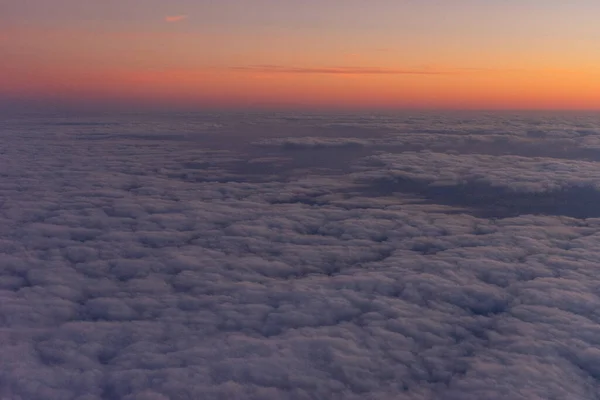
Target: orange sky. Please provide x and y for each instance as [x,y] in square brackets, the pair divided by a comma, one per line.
[306,56]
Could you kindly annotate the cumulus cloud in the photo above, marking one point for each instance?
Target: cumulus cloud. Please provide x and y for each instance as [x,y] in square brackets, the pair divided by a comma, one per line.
[175,18]
[513,172]
[141,268]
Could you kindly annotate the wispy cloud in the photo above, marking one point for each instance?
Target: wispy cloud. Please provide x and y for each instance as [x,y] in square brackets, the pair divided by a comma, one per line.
[175,18]
[353,70]
[280,69]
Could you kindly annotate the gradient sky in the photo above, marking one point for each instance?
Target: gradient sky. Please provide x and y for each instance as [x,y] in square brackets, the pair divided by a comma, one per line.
[195,54]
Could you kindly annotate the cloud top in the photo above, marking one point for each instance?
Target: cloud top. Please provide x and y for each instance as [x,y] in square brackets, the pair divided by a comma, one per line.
[142,262]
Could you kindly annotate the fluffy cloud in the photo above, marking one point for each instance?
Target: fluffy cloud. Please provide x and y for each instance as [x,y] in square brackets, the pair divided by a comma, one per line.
[511,172]
[493,185]
[136,267]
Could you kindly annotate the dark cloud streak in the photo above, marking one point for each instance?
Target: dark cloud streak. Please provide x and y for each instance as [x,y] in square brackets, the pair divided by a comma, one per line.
[354,70]
[280,69]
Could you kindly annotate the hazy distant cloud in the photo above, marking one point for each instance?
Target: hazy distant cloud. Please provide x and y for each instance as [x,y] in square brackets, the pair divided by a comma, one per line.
[175,18]
[281,69]
[312,142]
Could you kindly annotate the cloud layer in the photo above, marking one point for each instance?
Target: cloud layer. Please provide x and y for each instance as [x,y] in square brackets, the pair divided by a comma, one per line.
[141,261]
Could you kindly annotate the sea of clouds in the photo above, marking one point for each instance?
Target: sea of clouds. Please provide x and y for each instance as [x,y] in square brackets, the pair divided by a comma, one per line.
[279,256]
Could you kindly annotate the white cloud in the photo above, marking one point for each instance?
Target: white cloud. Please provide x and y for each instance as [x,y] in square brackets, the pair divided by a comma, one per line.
[145,269]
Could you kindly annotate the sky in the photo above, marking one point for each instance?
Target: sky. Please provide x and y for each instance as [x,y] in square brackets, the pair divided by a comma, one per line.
[325,54]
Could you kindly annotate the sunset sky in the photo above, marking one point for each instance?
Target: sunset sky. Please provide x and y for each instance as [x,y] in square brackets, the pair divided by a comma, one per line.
[388,54]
